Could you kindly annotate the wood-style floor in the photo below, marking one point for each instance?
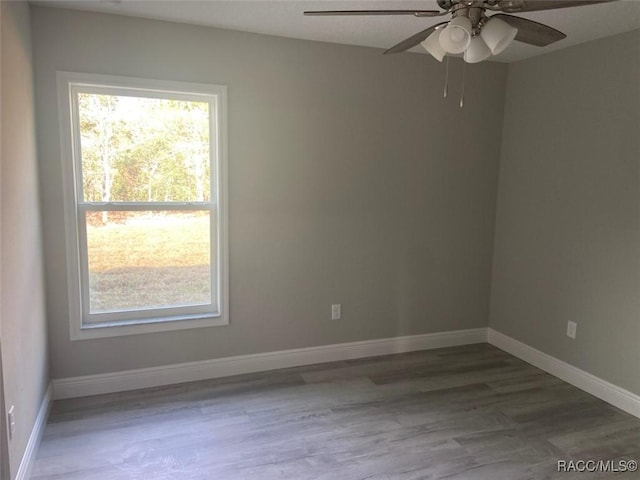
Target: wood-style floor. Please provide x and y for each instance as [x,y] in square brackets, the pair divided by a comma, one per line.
[471,412]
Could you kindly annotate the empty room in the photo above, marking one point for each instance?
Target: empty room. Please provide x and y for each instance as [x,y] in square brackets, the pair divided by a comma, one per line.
[339,240]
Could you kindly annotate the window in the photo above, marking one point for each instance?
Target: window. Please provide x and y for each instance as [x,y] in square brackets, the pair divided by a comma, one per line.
[144,178]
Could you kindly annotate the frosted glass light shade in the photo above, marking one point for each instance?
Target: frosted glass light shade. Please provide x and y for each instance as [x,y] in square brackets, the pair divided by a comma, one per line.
[456,37]
[498,34]
[477,51]
[432,45]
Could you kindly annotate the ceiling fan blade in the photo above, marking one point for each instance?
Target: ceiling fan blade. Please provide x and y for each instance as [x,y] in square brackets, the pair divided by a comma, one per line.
[531,32]
[415,13]
[414,40]
[516,6]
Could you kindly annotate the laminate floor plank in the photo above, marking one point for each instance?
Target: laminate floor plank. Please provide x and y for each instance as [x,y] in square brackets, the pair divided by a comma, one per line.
[461,413]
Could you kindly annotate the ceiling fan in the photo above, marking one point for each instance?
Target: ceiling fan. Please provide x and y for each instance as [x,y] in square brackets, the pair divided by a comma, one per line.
[470,31]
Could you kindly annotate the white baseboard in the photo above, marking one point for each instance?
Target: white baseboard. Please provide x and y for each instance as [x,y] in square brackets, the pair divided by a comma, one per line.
[237,365]
[29,456]
[610,393]
[224,367]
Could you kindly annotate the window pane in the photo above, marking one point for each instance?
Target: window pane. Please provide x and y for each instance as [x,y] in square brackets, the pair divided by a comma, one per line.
[143,260]
[143,149]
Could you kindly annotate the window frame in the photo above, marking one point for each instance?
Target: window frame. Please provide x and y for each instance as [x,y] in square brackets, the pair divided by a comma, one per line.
[173,318]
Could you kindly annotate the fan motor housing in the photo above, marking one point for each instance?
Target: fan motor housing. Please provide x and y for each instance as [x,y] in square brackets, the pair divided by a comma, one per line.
[447,4]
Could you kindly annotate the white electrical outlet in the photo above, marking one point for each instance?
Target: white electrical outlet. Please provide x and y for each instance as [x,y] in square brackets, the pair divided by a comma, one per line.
[336,311]
[11,420]
[572,327]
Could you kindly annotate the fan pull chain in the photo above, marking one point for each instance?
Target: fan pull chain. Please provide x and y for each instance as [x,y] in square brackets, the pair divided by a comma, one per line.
[462,93]
[446,79]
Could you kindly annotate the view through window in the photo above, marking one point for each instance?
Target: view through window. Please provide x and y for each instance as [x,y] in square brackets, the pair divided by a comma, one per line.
[145,151]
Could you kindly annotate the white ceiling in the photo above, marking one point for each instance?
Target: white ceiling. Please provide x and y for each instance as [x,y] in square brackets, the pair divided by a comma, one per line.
[284,18]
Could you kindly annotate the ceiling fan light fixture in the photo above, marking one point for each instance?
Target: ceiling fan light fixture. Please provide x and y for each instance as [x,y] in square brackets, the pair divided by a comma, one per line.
[432,45]
[456,37]
[477,51]
[498,34]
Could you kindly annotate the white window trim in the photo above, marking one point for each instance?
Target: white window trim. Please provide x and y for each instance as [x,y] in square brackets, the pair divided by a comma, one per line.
[78,330]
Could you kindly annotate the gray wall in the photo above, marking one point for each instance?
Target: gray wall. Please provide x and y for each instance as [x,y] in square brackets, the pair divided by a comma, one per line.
[23,327]
[567,243]
[350,182]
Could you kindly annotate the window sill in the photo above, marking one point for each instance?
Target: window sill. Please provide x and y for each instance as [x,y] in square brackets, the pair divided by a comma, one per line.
[150,325]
